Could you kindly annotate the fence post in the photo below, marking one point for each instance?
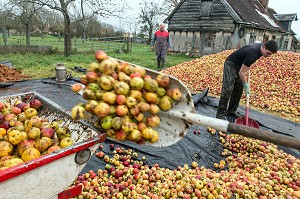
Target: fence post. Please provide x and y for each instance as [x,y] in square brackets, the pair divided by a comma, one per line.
[4,35]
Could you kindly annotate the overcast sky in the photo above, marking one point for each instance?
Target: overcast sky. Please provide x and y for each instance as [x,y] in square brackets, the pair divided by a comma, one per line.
[280,6]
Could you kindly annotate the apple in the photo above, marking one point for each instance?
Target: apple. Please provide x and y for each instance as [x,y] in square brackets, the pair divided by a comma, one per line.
[109,97]
[34,133]
[121,99]
[137,83]
[2,131]
[30,112]
[135,135]
[101,110]
[30,154]
[5,149]
[36,104]
[83,80]
[120,135]
[150,85]
[135,74]
[130,102]
[76,87]
[65,142]
[21,117]
[176,94]
[92,77]
[163,80]
[139,117]
[106,122]
[53,148]
[140,70]
[165,103]
[100,55]
[136,94]
[117,123]
[25,144]
[15,137]
[122,88]
[134,110]
[144,106]
[161,92]
[123,77]
[141,126]
[128,69]
[121,110]
[93,86]
[43,144]
[2,105]
[16,110]
[12,162]
[88,94]
[5,125]
[147,133]
[153,121]
[106,82]
[154,109]
[107,67]
[9,117]
[47,132]
[151,97]
[2,117]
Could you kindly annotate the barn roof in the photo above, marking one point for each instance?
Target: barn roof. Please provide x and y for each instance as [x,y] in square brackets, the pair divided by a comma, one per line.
[253,13]
[286,17]
[247,12]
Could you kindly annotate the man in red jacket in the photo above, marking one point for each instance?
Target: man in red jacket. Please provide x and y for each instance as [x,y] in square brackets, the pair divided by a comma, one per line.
[162,41]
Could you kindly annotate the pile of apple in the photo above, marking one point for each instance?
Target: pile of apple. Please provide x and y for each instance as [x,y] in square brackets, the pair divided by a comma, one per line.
[250,169]
[275,81]
[125,99]
[25,136]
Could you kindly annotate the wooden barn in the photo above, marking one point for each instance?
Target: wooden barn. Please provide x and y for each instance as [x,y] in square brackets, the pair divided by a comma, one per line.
[210,26]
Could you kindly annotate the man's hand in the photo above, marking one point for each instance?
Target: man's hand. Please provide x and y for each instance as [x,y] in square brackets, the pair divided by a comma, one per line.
[151,47]
[170,49]
[247,89]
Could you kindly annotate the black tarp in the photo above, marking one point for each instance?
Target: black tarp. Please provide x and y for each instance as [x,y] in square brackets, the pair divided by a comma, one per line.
[203,148]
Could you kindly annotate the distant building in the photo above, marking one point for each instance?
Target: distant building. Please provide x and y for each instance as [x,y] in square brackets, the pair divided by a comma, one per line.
[210,26]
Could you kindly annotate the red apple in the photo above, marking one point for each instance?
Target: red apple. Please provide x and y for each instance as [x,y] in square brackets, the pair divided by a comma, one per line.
[47,132]
[76,87]
[92,77]
[100,55]
[121,99]
[36,104]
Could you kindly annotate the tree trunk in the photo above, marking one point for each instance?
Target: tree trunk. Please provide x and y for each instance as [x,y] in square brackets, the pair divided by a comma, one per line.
[67,36]
[27,35]
[150,34]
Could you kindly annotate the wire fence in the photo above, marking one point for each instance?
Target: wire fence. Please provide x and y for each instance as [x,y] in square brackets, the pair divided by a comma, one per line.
[119,44]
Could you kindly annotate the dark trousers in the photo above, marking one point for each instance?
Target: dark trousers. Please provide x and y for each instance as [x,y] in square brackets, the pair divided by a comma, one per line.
[232,90]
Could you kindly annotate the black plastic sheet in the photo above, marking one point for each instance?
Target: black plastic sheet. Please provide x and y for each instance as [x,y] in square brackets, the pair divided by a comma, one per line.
[197,145]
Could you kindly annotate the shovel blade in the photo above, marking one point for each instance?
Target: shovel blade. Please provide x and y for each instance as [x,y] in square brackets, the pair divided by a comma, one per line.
[251,122]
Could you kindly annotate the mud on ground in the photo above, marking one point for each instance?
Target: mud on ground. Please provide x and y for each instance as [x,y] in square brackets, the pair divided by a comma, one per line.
[9,74]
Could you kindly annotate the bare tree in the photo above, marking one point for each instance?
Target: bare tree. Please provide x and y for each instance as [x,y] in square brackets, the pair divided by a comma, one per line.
[88,7]
[169,5]
[25,13]
[149,16]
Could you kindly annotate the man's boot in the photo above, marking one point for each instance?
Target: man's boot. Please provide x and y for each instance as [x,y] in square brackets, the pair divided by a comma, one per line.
[158,64]
[162,63]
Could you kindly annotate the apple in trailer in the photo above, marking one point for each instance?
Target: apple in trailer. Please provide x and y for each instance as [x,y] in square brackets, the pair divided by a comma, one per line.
[30,112]
[47,132]
[65,142]
[36,104]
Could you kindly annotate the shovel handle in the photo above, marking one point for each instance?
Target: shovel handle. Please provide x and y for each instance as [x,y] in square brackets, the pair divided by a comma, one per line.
[225,126]
[247,101]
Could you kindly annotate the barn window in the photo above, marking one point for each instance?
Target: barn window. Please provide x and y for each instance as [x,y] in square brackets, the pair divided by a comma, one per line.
[206,8]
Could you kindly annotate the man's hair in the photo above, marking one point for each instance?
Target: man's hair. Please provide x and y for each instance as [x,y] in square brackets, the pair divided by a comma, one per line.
[271,45]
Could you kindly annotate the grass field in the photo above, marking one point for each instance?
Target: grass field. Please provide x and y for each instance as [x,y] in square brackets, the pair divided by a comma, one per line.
[39,66]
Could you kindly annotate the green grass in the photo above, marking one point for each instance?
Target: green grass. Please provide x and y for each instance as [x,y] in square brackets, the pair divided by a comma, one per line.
[41,66]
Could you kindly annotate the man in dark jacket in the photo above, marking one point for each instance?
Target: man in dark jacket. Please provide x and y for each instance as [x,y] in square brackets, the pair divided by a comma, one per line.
[161,39]
[235,70]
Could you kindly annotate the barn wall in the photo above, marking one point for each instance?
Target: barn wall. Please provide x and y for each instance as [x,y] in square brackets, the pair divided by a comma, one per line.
[195,15]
